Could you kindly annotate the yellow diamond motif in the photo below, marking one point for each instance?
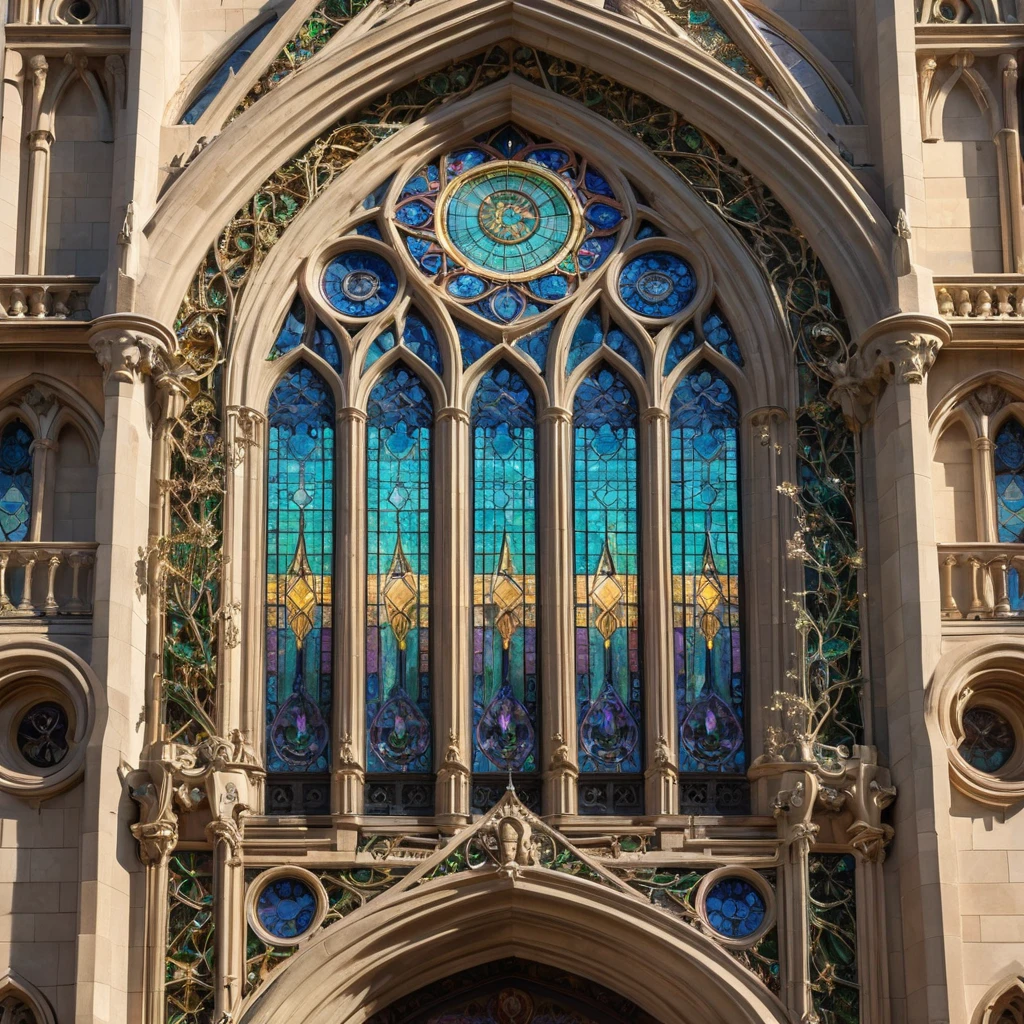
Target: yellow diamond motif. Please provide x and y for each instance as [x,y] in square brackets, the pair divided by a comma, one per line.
[400,594]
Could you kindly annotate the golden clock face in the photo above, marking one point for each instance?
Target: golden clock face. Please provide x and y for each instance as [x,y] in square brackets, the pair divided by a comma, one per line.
[509,216]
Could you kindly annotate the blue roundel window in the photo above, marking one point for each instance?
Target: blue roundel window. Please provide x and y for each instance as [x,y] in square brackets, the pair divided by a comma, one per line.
[360,284]
[657,284]
[988,741]
[734,908]
[286,907]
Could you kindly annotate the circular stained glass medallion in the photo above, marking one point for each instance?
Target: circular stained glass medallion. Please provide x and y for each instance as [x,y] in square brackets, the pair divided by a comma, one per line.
[988,741]
[43,735]
[735,908]
[510,219]
[286,907]
[359,284]
[657,284]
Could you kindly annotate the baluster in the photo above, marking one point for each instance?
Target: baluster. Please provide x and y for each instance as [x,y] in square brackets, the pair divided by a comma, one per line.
[25,604]
[5,601]
[76,560]
[950,610]
[1002,564]
[977,605]
[50,607]
[87,561]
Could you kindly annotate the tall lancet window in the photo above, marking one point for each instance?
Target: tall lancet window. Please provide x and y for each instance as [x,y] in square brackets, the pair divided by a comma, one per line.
[15,481]
[504,575]
[606,528]
[300,557]
[1009,466]
[398,717]
[705,575]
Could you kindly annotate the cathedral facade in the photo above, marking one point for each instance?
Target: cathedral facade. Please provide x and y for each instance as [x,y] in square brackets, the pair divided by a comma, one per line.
[511,512]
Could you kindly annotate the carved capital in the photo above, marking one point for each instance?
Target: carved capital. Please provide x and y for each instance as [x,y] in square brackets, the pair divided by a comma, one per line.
[130,347]
[561,759]
[762,420]
[870,840]
[227,832]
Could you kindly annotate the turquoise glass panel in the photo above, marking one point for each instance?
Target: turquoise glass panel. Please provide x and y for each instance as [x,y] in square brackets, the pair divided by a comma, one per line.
[300,557]
[705,575]
[15,481]
[398,716]
[504,574]
[1009,465]
[606,532]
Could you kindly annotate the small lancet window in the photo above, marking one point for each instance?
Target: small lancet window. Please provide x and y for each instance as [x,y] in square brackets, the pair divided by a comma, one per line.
[300,598]
[1009,468]
[606,529]
[398,686]
[705,574]
[15,481]
[230,66]
[505,651]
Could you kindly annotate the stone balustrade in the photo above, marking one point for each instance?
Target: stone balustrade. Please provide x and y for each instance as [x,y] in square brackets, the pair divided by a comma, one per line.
[991,296]
[54,298]
[981,581]
[39,578]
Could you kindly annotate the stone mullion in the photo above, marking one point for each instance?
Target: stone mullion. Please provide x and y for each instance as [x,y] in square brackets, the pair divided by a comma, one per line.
[38,141]
[986,512]
[872,952]
[155,953]
[451,613]
[229,934]
[42,484]
[556,598]
[1010,189]
[350,614]
[662,776]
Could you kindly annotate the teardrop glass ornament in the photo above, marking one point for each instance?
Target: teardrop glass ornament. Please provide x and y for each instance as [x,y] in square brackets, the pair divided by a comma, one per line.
[711,732]
[609,733]
[399,733]
[299,732]
[504,733]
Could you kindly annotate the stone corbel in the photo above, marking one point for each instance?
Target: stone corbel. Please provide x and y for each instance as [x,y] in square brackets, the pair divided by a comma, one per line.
[350,775]
[453,779]
[662,777]
[898,350]
[563,773]
[157,828]
[130,347]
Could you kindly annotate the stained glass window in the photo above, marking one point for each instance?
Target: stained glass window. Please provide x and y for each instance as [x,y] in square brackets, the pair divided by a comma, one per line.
[832,914]
[1009,459]
[504,575]
[15,481]
[300,556]
[989,741]
[230,66]
[400,413]
[606,528]
[705,574]
[735,907]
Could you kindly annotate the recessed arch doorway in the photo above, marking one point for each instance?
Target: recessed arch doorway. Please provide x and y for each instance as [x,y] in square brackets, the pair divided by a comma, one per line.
[513,991]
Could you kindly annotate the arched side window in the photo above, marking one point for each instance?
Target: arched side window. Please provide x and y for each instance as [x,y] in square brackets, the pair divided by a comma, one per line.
[231,64]
[300,559]
[705,574]
[398,690]
[607,586]
[15,481]
[1009,477]
[505,696]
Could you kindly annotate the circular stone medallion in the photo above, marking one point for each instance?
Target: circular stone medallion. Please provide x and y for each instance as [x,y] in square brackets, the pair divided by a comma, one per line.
[511,220]
[359,284]
[43,735]
[286,907]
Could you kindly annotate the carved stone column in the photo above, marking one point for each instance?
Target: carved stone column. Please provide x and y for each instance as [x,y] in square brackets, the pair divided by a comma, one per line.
[451,614]
[128,348]
[43,477]
[985,488]
[793,808]
[556,595]
[39,141]
[904,600]
[662,777]
[350,613]
[1008,146]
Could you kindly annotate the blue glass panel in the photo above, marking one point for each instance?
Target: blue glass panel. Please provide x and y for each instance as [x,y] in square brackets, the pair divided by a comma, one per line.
[594,251]
[735,908]
[535,345]
[286,907]
[300,555]
[290,335]
[473,345]
[15,481]
[325,345]
[504,575]
[682,345]
[603,216]
[231,65]
[369,229]
[586,340]
[648,230]
[398,715]
[989,740]
[718,334]
[705,574]
[606,529]
[618,341]
[384,342]
[596,183]
[359,284]
[657,284]
[463,160]
[419,339]
[1009,459]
